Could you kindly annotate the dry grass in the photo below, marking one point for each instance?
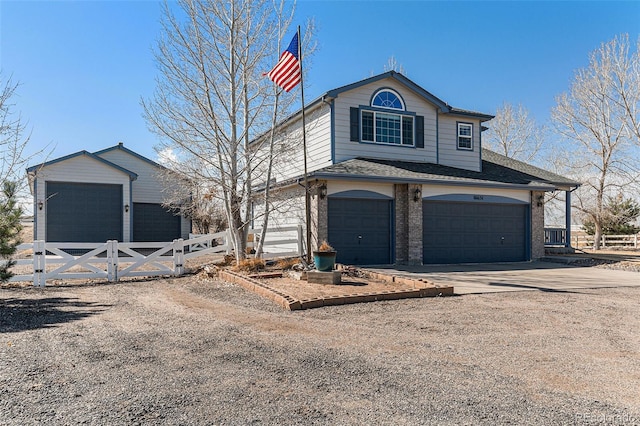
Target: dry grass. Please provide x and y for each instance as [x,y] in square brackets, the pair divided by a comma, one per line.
[288,263]
[250,265]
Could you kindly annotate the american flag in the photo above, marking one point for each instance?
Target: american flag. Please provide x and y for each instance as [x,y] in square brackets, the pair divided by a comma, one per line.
[287,72]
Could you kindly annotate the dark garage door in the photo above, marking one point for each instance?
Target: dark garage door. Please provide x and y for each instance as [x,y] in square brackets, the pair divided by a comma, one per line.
[151,222]
[83,212]
[474,232]
[360,230]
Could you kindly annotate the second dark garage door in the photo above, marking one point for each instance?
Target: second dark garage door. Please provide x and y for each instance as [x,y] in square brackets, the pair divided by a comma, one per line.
[360,230]
[474,232]
[152,223]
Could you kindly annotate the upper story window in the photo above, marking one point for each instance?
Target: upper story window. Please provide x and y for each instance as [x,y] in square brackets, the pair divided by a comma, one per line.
[465,136]
[387,127]
[387,99]
[386,121]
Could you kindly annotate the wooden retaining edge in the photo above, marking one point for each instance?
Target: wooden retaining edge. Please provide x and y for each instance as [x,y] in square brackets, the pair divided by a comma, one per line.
[284,300]
[292,304]
[374,297]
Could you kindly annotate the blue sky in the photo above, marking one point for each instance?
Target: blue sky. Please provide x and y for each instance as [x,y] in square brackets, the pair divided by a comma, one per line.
[84,65]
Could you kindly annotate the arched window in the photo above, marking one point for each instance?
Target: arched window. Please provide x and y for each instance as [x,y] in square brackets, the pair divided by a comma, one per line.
[386,121]
[386,98]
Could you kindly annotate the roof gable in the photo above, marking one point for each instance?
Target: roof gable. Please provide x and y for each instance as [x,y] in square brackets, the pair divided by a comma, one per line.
[442,106]
[34,169]
[122,148]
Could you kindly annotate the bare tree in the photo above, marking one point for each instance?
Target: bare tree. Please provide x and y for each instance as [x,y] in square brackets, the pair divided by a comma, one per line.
[513,133]
[593,120]
[13,136]
[211,98]
[393,65]
[623,65]
[194,199]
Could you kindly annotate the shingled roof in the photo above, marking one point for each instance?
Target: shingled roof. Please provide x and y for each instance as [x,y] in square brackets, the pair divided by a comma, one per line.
[545,175]
[497,170]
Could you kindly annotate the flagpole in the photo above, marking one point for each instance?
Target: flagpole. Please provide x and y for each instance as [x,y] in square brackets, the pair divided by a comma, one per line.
[307,199]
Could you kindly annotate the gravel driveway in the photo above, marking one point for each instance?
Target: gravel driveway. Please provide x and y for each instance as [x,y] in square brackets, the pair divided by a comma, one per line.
[187,351]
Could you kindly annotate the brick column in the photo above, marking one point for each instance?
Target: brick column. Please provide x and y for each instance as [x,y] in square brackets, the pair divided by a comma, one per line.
[537,225]
[414,225]
[401,195]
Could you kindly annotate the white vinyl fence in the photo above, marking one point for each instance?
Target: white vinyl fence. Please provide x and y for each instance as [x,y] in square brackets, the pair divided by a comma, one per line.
[114,260]
[278,242]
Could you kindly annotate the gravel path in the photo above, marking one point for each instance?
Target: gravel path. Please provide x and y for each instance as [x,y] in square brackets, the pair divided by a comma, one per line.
[186,351]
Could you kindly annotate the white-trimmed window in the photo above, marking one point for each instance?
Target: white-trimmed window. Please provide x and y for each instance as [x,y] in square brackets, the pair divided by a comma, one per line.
[386,98]
[385,123]
[465,136]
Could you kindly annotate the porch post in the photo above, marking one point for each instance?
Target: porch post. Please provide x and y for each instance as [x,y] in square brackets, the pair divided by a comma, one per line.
[567,241]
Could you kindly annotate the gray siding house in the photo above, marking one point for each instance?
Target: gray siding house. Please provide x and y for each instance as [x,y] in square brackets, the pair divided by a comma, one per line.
[400,176]
[112,194]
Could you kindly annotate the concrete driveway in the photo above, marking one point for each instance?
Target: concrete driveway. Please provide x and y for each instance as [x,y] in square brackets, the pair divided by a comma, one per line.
[500,277]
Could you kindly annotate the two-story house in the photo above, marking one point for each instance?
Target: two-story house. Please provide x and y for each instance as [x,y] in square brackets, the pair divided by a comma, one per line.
[400,176]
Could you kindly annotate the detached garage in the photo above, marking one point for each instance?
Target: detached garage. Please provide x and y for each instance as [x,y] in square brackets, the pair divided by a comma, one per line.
[113,194]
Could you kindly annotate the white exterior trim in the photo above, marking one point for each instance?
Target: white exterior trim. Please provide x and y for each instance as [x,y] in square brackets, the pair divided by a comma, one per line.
[334,187]
[436,190]
[81,169]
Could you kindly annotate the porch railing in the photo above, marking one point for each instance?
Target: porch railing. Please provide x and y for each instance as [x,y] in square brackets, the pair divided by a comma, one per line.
[555,237]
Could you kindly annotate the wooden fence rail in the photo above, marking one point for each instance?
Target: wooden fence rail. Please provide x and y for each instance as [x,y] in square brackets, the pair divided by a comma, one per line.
[558,237]
[114,260]
[629,241]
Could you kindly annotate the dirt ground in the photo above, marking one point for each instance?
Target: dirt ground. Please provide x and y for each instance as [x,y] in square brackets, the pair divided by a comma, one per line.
[200,351]
[195,350]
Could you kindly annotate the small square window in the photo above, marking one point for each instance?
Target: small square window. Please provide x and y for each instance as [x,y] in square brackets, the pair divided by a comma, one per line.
[465,136]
